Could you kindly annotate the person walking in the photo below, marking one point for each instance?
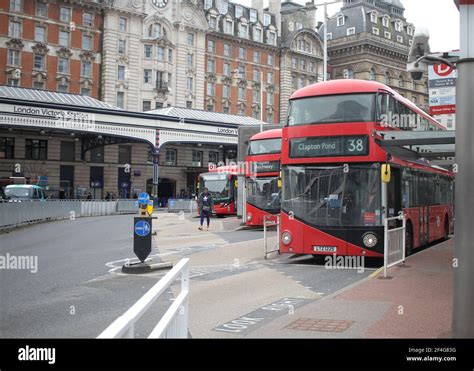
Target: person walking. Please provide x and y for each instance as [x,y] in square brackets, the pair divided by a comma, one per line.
[206,206]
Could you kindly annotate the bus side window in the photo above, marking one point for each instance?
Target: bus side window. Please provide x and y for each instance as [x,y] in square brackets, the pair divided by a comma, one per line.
[35,193]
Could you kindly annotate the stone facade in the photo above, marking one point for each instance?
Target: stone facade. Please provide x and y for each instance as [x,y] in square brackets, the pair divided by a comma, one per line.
[52,45]
[301,60]
[147,46]
[371,40]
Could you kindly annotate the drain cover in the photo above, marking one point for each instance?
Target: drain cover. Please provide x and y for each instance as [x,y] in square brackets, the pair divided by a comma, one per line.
[314,324]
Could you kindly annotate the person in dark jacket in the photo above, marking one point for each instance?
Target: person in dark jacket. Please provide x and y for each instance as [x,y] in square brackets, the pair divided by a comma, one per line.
[206,206]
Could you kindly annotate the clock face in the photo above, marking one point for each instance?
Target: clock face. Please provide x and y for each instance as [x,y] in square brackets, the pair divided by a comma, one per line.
[160,3]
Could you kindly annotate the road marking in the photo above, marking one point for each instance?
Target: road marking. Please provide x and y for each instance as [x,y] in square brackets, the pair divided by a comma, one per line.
[250,321]
[373,274]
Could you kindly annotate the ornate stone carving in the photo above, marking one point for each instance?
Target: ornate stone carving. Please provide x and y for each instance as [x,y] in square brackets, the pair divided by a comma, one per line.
[87,55]
[64,52]
[15,44]
[40,48]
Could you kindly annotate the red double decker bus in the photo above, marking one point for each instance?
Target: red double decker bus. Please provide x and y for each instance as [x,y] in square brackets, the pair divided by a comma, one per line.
[332,200]
[222,184]
[262,182]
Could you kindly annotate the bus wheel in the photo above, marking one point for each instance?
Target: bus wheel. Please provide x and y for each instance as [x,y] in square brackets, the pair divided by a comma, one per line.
[408,239]
[446,228]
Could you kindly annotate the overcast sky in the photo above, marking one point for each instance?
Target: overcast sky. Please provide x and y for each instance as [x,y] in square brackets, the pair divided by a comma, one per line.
[440,17]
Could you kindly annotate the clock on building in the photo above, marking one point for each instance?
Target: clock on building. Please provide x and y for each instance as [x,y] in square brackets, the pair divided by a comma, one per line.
[159,3]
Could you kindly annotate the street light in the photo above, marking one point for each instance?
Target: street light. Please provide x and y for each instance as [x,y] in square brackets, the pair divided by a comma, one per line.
[235,72]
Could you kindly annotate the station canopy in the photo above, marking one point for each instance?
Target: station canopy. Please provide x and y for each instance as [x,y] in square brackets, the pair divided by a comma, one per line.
[35,95]
[436,146]
[195,114]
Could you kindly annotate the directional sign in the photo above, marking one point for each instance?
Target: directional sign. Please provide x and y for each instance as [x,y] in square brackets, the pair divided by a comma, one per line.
[143,198]
[142,228]
[142,237]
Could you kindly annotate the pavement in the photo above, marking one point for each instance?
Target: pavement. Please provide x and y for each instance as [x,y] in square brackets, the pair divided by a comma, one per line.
[272,298]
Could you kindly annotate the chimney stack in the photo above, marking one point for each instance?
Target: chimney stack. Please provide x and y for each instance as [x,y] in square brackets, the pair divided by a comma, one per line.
[310,15]
[274,7]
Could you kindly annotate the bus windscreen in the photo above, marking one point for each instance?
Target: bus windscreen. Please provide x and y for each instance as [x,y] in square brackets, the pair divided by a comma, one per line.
[328,196]
[265,146]
[332,109]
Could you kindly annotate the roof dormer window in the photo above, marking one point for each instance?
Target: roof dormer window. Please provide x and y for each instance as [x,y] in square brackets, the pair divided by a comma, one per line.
[398,26]
[239,11]
[351,31]
[385,21]
[373,17]
[207,4]
[340,20]
[253,15]
[267,19]
[224,7]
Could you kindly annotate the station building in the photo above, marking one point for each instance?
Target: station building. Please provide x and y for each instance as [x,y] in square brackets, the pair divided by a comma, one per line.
[74,145]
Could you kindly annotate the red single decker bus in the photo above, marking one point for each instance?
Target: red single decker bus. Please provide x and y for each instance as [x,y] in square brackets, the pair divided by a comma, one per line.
[222,184]
[262,181]
[333,200]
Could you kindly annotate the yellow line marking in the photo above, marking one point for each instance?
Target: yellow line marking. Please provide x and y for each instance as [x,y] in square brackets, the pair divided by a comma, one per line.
[372,275]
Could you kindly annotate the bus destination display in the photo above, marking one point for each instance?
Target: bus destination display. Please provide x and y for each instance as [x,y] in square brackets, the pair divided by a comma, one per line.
[329,146]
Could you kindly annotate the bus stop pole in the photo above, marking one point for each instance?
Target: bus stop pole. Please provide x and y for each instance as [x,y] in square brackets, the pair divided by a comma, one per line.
[463,265]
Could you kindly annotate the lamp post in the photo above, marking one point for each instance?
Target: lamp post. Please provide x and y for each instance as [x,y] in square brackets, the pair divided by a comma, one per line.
[325,36]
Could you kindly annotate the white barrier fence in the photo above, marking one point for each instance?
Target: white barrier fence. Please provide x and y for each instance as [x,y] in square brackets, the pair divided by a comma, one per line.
[173,324]
[394,243]
[175,205]
[268,221]
[14,214]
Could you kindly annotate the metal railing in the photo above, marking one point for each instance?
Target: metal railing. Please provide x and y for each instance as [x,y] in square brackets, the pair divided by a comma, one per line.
[177,204]
[394,243]
[173,324]
[268,221]
[14,214]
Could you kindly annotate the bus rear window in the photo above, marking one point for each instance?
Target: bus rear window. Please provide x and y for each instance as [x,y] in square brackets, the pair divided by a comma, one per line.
[332,109]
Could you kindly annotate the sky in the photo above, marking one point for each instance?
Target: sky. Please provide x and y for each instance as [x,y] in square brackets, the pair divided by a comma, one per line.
[440,17]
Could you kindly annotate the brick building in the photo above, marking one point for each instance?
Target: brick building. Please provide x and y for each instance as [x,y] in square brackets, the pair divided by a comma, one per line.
[53,45]
[242,60]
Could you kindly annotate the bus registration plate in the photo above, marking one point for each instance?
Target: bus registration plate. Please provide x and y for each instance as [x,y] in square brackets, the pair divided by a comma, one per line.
[325,248]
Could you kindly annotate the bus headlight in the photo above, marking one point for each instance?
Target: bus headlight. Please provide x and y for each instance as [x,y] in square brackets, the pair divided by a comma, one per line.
[369,239]
[249,217]
[286,238]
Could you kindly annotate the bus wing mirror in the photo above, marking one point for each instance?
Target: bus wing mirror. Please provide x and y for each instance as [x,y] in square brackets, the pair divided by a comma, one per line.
[385,173]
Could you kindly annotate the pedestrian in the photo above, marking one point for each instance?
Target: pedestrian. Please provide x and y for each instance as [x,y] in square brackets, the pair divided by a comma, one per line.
[206,206]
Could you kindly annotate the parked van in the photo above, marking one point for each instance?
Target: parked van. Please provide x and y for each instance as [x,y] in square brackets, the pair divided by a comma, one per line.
[24,192]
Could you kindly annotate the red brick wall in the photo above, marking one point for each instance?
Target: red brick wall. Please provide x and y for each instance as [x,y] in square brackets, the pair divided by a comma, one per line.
[234,63]
[28,27]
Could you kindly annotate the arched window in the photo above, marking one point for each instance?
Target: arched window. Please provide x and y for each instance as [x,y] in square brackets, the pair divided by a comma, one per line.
[372,74]
[156,31]
[387,78]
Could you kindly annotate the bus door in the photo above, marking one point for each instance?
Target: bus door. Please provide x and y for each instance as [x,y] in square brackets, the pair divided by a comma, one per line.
[394,197]
[424,219]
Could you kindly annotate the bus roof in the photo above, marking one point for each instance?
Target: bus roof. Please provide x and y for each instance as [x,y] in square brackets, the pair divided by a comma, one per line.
[22,186]
[268,134]
[355,86]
